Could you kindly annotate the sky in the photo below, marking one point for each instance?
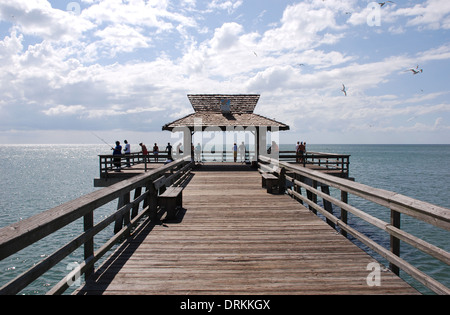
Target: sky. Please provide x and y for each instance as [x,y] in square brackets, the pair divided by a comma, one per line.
[80,71]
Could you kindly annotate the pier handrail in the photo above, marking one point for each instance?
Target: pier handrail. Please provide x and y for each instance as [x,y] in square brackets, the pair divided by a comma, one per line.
[22,234]
[107,161]
[304,178]
[330,161]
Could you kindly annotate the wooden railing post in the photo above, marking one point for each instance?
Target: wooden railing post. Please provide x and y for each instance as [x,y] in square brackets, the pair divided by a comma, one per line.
[395,242]
[123,200]
[298,188]
[152,201]
[344,213]
[89,244]
[282,182]
[135,210]
[326,204]
[309,194]
[101,167]
[314,196]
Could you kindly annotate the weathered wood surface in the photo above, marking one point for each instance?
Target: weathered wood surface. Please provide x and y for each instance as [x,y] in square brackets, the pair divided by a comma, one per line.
[235,238]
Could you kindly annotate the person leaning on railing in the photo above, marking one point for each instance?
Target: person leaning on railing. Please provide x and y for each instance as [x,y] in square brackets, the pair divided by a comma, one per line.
[300,152]
[144,151]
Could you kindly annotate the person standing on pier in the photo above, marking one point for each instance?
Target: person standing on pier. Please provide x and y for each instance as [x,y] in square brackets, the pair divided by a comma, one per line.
[198,153]
[242,152]
[117,151]
[299,152]
[127,151]
[169,151]
[156,152]
[235,149]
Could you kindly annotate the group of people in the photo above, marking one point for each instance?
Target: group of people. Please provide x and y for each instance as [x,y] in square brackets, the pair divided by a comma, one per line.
[300,150]
[241,149]
[155,151]
[117,150]
[235,149]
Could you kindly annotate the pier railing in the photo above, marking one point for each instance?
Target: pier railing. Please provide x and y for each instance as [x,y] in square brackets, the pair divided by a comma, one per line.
[338,164]
[110,163]
[303,184]
[129,212]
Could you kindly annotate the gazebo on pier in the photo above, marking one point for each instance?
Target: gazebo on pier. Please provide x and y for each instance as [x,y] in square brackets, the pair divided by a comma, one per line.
[226,113]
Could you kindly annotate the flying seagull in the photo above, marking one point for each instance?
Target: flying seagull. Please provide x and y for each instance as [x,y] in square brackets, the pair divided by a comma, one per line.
[415,71]
[383,3]
[344,90]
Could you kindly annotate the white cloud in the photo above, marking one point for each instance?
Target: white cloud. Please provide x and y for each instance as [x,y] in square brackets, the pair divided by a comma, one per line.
[131,64]
[226,37]
[304,26]
[229,5]
[38,18]
[433,14]
[120,38]
[152,14]
[10,47]
[64,110]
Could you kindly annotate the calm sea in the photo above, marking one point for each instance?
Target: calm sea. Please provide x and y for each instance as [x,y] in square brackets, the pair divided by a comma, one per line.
[36,178]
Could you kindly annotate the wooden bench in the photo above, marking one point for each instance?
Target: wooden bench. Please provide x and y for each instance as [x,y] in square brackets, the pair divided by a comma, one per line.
[273,177]
[170,197]
[269,181]
[171,200]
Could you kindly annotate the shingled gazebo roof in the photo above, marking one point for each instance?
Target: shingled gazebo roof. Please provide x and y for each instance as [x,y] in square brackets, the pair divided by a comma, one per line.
[224,110]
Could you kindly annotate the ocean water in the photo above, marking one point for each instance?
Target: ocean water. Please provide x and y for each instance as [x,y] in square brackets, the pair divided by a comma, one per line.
[36,178]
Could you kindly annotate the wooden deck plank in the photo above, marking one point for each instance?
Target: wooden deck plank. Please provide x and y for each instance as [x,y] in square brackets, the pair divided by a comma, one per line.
[235,238]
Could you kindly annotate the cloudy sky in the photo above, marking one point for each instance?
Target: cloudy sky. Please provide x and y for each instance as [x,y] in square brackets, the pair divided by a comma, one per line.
[122,68]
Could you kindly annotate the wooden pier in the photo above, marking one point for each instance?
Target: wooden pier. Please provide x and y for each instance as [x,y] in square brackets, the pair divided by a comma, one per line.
[234,238]
[231,236]
[231,228]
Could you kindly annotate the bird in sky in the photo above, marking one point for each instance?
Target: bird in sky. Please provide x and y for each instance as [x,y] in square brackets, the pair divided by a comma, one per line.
[415,71]
[344,90]
[255,54]
[383,3]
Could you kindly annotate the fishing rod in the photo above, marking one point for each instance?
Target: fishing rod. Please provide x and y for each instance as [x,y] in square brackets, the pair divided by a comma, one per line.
[103,140]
